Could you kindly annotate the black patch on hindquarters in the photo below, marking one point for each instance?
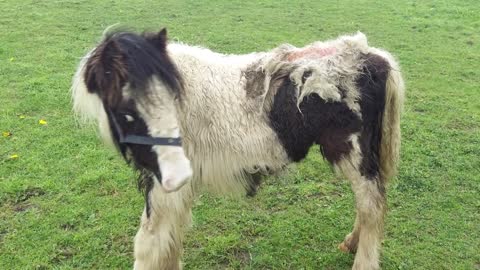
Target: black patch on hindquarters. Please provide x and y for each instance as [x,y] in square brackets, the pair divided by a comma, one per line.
[372,86]
[288,122]
[332,123]
[142,157]
[328,124]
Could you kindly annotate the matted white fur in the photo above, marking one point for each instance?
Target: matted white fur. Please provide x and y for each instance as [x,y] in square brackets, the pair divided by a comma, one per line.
[221,136]
[329,72]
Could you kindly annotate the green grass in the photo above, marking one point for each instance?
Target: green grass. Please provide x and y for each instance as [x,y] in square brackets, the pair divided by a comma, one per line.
[67,202]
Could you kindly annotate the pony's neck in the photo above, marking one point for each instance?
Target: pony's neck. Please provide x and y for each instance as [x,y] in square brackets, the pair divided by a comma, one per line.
[184,55]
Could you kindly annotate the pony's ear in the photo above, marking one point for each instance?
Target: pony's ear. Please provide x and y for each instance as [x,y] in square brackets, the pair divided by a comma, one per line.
[159,39]
[163,34]
[106,72]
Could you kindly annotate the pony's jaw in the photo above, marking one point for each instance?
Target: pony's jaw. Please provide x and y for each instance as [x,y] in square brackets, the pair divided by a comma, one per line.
[175,168]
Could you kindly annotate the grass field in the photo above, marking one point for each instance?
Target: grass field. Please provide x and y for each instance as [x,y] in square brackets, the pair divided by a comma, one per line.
[67,202]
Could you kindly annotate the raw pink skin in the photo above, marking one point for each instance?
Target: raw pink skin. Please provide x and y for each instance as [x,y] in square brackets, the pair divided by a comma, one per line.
[311,52]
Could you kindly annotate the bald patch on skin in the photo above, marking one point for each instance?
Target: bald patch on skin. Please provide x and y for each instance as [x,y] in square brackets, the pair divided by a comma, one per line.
[311,53]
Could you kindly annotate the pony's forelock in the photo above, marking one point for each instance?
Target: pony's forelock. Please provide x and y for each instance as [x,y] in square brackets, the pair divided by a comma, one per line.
[126,57]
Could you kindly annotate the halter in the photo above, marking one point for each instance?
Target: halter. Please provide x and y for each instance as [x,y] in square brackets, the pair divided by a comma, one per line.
[143,140]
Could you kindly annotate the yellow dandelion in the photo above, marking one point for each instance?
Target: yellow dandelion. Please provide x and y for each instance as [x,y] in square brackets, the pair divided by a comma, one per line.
[6,134]
[14,156]
[42,122]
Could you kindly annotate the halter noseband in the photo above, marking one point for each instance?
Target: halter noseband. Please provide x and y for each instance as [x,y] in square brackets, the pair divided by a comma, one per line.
[143,140]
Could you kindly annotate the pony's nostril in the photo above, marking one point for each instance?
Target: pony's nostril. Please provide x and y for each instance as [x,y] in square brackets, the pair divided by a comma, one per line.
[168,185]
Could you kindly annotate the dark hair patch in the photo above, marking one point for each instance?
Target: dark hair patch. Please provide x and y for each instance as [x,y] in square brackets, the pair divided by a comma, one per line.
[371,84]
[328,124]
[106,71]
[140,156]
[125,57]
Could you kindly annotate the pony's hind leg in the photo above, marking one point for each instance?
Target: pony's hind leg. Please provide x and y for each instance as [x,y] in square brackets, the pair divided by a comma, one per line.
[158,243]
[365,239]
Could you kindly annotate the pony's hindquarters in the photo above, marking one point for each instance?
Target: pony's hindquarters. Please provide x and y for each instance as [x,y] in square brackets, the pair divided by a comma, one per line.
[374,157]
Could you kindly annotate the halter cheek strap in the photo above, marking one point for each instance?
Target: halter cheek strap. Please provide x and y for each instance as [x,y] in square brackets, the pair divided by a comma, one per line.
[143,140]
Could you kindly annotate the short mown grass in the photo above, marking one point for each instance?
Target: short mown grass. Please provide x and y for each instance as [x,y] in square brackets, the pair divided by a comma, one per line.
[67,202]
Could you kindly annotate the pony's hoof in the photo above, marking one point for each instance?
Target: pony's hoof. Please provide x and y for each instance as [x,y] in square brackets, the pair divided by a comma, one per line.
[343,248]
[349,245]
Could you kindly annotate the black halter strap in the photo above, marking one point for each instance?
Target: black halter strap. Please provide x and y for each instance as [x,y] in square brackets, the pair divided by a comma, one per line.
[144,140]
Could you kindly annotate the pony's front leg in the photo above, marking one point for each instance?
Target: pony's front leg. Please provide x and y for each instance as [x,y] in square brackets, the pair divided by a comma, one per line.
[158,243]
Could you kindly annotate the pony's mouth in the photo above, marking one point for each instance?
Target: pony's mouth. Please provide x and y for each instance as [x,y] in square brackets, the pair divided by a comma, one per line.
[175,168]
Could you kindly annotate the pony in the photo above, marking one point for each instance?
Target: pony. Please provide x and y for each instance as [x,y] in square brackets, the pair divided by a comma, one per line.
[193,120]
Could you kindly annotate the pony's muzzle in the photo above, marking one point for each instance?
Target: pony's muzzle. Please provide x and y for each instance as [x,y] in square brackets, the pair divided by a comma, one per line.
[175,169]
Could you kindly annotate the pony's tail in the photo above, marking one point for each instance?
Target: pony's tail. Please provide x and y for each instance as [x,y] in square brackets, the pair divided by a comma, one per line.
[390,143]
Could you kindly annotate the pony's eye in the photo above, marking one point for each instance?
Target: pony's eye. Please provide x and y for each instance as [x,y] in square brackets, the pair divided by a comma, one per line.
[129,118]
